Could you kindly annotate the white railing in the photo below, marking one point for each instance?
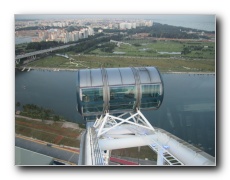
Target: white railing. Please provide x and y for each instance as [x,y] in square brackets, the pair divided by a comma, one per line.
[97,156]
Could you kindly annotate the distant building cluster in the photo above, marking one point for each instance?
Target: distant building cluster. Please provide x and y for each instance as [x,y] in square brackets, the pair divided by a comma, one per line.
[127,25]
[133,25]
[59,30]
[62,35]
[42,23]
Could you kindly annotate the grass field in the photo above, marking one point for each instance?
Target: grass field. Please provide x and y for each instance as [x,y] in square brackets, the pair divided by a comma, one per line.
[56,134]
[48,132]
[164,64]
[148,48]
[143,53]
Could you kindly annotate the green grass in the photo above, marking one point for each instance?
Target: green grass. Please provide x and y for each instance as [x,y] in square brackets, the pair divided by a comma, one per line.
[197,60]
[164,64]
[166,46]
[145,152]
[161,46]
[50,61]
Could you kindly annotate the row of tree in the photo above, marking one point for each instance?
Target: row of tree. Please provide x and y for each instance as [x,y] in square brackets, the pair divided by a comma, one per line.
[43,45]
[91,44]
[34,111]
[188,49]
[107,47]
[36,46]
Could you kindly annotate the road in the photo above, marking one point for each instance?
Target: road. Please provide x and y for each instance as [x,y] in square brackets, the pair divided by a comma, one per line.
[71,156]
[50,49]
[43,51]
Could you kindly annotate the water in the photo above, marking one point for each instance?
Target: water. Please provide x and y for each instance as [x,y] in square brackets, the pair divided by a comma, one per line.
[24,39]
[53,90]
[187,111]
[196,21]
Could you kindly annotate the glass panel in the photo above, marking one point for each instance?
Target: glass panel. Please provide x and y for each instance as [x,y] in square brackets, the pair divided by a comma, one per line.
[122,97]
[114,76]
[144,76]
[92,100]
[154,74]
[150,96]
[127,76]
[96,77]
[85,80]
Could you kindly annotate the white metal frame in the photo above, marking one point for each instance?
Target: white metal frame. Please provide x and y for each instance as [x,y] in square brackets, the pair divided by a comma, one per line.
[113,132]
[108,122]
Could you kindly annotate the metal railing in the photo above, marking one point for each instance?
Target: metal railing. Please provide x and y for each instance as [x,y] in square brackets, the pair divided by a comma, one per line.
[97,155]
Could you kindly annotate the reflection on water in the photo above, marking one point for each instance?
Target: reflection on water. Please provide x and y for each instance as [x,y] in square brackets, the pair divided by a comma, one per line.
[187,111]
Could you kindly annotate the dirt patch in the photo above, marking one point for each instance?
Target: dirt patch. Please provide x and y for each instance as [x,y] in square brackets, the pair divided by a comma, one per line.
[70,125]
[58,139]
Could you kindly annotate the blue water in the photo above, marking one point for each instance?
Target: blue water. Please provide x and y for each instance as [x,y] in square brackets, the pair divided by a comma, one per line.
[21,40]
[201,22]
[187,111]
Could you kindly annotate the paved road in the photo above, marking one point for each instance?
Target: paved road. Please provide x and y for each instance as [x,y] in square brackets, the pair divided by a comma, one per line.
[43,51]
[53,151]
[50,49]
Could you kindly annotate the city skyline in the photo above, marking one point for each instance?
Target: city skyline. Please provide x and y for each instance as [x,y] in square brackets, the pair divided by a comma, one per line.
[184,20]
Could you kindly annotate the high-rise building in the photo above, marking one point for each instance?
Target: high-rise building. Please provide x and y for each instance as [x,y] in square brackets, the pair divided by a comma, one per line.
[90,31]
[76,35]
[134,25]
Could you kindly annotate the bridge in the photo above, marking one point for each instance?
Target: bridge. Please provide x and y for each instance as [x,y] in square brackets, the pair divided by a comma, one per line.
[110,100]
[33,54]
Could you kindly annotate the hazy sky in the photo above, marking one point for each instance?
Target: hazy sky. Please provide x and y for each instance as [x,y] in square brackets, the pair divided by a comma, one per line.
[196,21]
[111,16]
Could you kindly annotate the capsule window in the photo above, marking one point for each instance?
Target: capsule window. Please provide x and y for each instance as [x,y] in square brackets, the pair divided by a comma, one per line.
[92,100]
[150,96]
[122,97]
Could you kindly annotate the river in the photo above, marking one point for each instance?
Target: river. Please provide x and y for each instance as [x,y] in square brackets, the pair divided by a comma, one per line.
[187,111]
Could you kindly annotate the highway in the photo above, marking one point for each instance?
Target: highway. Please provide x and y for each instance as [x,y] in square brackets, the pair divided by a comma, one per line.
[49,50]
[43,51]
[55,151]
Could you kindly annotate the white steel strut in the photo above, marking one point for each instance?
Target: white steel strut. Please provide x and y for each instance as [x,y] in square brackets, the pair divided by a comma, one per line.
[110,122]
[133,130]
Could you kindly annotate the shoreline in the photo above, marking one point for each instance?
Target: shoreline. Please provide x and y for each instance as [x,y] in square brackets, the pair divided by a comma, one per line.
[67,69]
[198,73]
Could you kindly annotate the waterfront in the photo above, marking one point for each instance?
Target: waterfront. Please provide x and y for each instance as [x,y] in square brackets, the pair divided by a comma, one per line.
[195,21]
[187,111]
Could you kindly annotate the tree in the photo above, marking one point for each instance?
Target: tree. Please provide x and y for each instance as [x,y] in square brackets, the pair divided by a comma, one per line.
[185,50]
[56,118]
[18,104]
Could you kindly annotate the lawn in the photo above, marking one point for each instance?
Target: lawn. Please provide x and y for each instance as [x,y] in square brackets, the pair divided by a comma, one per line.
[140,53]
[140,48]
[48,132]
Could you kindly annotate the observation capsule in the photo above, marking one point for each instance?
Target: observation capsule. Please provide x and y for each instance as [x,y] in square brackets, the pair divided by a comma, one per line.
[118,90]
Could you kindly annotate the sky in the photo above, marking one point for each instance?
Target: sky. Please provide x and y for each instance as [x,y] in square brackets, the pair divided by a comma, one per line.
[109,16]
[12,7]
